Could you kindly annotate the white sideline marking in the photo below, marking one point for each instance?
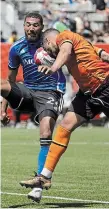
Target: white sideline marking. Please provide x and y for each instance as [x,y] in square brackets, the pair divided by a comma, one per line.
[72,143]
[59,198]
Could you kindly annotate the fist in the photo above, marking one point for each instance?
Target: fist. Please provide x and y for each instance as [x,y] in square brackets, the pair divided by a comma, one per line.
[4,119]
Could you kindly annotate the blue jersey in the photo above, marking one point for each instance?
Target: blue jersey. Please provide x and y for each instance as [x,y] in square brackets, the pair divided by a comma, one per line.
[22,53]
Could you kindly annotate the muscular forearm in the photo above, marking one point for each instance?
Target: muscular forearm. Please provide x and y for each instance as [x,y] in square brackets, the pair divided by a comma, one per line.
[3,115]
[63,57]
[11,78]
[4,105]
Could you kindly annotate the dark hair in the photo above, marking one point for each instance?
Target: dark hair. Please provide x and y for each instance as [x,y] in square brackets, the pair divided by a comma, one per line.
[34,14]
[14,32]
[50,30]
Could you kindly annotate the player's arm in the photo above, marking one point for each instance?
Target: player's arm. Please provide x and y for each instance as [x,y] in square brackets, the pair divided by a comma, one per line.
[13,64]
[12,73]
[62,58]
[102,54]
[11,78]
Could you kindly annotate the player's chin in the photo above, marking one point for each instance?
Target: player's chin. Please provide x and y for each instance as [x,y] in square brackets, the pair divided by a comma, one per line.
[32,38]
[54,54]
[51,53]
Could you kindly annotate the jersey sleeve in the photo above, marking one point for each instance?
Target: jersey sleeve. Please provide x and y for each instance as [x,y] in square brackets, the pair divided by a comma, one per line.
[14,60]
[98,50]
[63,37]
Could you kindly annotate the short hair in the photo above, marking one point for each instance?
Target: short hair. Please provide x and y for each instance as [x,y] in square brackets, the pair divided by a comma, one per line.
[35,15]
[50,30]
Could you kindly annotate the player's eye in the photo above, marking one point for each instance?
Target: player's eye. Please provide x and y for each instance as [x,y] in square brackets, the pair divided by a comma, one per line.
[27,24]
[45,41]
[35,25]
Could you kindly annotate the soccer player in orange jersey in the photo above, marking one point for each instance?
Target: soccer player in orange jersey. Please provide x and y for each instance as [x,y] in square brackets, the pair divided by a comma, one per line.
[92,75]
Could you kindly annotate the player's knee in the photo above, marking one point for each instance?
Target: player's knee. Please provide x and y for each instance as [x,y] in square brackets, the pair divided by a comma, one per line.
[46,133]
[45,130]
[47,124]
[5,87]
[3,81]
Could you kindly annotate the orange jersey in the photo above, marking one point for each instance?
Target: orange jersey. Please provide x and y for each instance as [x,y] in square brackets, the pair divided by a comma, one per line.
[86,67]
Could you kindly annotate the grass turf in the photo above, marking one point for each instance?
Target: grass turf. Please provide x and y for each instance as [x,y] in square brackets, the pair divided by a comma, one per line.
[82,173]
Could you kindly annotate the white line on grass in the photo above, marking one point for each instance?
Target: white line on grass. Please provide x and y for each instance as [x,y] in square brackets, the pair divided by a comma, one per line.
[60,198]
[71,143]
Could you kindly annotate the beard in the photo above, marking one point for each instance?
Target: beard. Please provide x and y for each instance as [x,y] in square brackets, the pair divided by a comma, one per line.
[33,37]
[53,51]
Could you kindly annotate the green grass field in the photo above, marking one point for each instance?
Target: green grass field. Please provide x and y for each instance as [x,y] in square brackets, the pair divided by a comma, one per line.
[81,179]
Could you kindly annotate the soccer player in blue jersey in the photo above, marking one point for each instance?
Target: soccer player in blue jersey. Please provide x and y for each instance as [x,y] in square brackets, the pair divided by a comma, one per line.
[39,93]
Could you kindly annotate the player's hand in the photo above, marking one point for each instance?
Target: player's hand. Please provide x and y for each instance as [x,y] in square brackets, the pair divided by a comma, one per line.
[105,56]
[4,118]
[44,69]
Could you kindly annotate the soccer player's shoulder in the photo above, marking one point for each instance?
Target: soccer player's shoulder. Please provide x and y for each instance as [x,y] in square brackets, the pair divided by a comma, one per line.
[18,44]
[65,35]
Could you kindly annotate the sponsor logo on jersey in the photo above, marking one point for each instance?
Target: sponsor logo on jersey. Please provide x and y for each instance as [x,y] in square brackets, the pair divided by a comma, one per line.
[22,51]
[28,61]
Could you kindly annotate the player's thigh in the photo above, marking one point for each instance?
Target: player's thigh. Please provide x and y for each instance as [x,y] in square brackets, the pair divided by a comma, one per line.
[76,113]
[47,124]
[47,103]
[20,98]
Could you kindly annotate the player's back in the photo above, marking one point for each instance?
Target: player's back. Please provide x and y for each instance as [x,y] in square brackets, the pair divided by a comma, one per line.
[86,66]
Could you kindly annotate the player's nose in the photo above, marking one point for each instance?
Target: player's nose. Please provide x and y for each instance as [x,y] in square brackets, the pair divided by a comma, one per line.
[31,28]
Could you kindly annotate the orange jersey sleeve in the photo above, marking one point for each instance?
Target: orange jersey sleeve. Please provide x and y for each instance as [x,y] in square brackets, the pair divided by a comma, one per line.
[86,67]
[97,49]
[64,37]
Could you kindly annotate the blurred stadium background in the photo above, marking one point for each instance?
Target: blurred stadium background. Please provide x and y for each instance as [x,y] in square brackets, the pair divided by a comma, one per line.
[89,18]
